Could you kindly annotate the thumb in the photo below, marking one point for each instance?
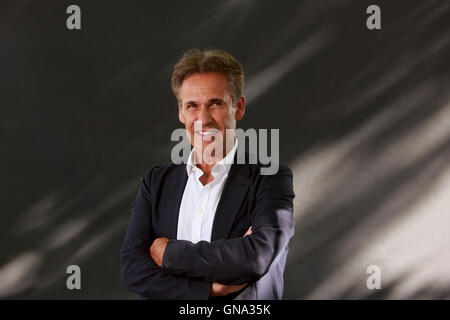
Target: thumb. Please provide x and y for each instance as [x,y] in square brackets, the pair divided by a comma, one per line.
[249,232]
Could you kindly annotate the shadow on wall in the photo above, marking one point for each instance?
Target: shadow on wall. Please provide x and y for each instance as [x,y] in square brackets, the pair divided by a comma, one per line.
[363,118]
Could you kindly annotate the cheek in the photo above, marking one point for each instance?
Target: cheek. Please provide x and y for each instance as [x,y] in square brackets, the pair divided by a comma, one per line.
[228,121]
[225,119]
[188,120]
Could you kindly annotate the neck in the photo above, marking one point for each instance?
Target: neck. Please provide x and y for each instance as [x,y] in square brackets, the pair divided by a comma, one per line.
[206,168]
[208,162]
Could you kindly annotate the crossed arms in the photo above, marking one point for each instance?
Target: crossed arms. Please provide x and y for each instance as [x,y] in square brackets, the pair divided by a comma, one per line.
[188,270]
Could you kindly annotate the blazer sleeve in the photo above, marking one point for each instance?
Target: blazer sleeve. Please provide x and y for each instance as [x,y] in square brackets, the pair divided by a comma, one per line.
[139,272]
[247,259]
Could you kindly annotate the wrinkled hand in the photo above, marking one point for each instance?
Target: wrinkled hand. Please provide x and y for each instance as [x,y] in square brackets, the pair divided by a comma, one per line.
[157,250]
[218,289]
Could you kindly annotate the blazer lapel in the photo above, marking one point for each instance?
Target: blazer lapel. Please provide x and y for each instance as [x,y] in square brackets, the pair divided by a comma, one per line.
[177,183]
[233,194]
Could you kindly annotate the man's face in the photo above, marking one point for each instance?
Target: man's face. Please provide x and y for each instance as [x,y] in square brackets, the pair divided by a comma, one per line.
[206,97]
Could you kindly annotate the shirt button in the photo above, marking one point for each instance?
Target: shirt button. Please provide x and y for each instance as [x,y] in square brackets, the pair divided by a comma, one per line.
[199,211]
[195,239]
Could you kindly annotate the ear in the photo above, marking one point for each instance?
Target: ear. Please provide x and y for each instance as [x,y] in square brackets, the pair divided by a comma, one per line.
[240,108]
[180,113]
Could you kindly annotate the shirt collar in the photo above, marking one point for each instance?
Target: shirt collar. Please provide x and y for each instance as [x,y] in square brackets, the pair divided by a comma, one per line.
[224,164]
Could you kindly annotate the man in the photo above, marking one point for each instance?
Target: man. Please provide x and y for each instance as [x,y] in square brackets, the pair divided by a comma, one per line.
[212,228]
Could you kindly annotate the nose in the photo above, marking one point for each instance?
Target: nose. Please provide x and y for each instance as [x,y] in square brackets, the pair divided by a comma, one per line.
[204,116]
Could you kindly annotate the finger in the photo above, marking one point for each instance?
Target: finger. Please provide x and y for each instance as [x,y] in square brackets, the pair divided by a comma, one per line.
[242,285]
[236,287]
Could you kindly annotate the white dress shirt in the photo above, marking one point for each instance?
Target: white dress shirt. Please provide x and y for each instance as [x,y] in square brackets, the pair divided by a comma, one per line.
[199,202]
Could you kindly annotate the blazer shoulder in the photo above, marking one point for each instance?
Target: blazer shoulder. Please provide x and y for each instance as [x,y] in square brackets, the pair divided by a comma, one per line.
[281,169]
[284,169]
[282,178]
[157,172]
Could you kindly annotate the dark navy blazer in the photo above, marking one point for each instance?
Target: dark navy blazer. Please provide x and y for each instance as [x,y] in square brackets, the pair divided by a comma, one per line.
[248,199]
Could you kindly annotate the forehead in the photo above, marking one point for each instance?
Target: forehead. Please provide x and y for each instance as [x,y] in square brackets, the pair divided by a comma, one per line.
[204,85]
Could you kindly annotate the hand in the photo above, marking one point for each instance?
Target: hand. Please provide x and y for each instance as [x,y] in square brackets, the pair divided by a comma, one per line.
[249,232]
[157,250]
[218,289]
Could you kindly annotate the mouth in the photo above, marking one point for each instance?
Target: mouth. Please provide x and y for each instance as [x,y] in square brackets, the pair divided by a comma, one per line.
[207,133]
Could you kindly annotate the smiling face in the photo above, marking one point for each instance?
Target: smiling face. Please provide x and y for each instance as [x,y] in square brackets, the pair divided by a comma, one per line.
[206,98]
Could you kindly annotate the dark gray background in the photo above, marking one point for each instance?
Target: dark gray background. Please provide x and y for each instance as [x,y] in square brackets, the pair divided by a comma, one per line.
[84,113]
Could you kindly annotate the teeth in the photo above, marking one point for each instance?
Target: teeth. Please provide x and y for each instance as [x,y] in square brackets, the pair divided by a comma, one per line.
[207,133]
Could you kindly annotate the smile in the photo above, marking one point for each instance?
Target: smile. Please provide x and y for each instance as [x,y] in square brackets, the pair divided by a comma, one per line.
[206,133]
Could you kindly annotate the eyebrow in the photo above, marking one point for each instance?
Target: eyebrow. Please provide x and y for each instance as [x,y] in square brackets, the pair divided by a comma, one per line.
[213,100]
[216,100]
